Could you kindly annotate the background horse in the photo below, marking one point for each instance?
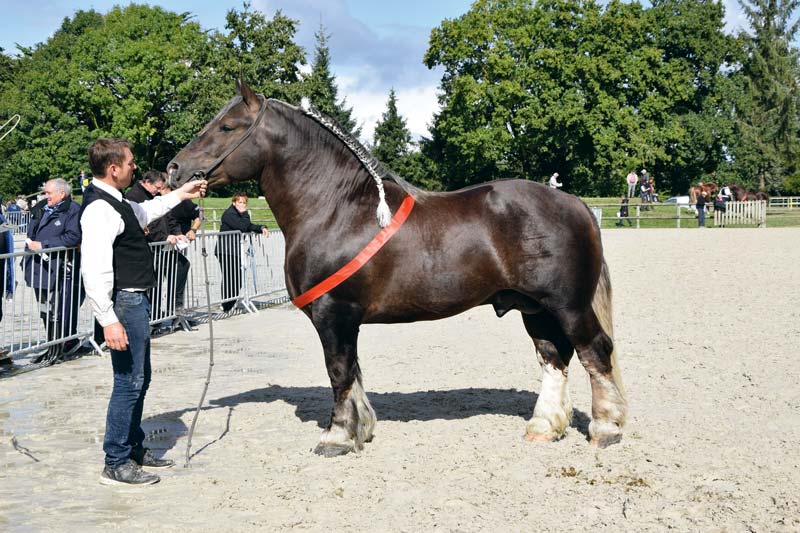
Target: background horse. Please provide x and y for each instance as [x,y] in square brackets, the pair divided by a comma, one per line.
[513,244]
[694,192]
[740,194]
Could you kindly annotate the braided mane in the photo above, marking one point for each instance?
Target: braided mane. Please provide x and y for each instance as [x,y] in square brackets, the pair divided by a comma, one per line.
[374,167]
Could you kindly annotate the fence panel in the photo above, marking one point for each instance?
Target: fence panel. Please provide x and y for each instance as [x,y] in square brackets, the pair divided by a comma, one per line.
[737,213]
[18,219]
[264,267]
[44,315]
[35,319]
[786,202]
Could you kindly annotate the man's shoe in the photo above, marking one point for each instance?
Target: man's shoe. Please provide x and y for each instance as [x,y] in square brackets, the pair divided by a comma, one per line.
[146,458]
[128,473]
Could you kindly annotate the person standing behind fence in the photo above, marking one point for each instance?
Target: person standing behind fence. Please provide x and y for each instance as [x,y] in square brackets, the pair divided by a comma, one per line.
[6,276]
[172,267]
[632,179]
[554,183]
[623,212]
[701,209]
[54,276]
[117,270]
[228,250]
[189,218]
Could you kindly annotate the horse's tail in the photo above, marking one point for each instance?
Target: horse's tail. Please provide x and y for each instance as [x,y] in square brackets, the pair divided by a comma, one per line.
[601,305]
[692,195]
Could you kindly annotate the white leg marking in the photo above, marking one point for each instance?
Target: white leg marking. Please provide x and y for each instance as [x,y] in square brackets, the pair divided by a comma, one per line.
[553,411]
[355,427]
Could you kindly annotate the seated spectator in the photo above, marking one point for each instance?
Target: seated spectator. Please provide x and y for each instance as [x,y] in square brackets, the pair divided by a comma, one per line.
[228,250]
[54,276]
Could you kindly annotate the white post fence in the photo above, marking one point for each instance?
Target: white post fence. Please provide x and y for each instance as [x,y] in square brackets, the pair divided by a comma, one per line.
[749,212]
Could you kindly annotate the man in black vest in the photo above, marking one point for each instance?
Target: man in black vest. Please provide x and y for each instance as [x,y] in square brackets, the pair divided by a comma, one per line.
[117,269]
[172,268]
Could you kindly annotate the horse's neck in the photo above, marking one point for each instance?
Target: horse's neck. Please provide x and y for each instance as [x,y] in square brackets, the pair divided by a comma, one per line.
[309,189]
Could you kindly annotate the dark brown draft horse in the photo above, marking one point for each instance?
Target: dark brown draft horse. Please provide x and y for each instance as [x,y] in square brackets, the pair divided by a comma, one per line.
[513,244]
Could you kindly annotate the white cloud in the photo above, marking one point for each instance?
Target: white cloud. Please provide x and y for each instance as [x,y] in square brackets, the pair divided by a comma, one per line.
[416,104]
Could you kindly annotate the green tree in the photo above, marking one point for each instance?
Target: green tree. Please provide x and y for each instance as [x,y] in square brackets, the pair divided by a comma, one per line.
[128,73]
[6,67]
[566,85]
[263,51]
[321,89]
[767,119]
[392,138]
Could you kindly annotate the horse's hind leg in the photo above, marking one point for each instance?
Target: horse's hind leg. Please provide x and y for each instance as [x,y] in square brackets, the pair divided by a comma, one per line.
[597,354]
[352,418]
[552,413]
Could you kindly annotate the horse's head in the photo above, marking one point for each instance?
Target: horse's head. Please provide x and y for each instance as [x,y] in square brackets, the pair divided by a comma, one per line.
[232,130]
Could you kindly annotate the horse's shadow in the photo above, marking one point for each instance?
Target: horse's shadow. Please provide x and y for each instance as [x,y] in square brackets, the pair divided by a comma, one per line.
[313,404]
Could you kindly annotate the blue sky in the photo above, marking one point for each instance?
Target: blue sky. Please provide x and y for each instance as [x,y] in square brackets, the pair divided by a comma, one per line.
[375,45]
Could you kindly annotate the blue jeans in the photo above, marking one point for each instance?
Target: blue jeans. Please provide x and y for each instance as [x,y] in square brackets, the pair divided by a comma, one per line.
[701,217]
[131,379]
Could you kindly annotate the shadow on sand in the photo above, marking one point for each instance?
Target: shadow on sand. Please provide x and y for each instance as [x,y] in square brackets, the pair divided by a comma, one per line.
[313,404]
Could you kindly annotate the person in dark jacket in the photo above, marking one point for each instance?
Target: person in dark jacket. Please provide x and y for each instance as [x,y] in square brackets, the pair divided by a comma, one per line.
[54,276]
[623,212]
[228,250]
[172,267]
[6,274]
[701,209]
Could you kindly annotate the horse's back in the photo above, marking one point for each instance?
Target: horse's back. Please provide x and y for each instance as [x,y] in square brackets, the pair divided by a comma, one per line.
[509,235]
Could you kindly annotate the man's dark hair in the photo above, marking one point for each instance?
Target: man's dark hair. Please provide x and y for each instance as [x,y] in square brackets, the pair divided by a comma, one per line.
[154,176]
[105,152]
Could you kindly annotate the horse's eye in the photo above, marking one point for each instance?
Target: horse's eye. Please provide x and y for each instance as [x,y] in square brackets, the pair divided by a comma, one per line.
[225,127]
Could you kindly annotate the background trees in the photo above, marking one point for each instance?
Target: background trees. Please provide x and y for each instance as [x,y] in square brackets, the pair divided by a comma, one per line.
[528,88]
[320,87]
[563,85]
[766,118]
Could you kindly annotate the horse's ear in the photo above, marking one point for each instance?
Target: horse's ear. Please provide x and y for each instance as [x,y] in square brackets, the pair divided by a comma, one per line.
[246,93]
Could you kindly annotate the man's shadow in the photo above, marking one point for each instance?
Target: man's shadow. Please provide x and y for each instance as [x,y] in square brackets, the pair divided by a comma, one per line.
[313,404]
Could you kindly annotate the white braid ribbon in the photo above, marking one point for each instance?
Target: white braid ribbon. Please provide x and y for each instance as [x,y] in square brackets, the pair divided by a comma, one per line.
[383,213]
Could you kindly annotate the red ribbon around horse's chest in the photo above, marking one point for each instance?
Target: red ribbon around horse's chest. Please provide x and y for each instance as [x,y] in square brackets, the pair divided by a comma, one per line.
[359,260]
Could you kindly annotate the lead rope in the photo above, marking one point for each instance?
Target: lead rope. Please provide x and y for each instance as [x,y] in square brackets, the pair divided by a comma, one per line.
[210,331]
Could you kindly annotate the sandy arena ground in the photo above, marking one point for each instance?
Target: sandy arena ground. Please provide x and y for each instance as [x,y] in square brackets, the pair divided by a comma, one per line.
[707,326]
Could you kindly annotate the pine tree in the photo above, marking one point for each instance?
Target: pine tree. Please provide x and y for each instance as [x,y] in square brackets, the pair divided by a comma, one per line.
[392,137]
[768,117]
[321,87]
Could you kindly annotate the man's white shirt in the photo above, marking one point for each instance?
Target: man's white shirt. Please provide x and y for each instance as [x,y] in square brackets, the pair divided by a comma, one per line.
[101,224]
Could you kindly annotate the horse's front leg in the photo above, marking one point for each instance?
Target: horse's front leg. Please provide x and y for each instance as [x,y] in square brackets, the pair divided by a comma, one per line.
[352,418]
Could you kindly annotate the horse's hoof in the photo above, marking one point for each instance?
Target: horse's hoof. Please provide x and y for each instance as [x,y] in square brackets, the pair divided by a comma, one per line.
[331,451]
[539,437]
[605,441]
[541,430]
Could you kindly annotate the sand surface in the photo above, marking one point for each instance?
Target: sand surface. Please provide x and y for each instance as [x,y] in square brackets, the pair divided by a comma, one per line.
[707,326]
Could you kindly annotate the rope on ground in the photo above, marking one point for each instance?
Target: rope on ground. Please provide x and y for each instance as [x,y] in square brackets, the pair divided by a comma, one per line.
[210,333]
[22,449]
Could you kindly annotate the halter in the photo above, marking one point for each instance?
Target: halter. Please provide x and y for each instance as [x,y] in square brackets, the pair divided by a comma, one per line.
[201,174]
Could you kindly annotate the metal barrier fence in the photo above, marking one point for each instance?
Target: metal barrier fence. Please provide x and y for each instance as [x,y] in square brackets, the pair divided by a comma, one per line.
[44,314]
[748,212]
[47,315]
[19,219]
